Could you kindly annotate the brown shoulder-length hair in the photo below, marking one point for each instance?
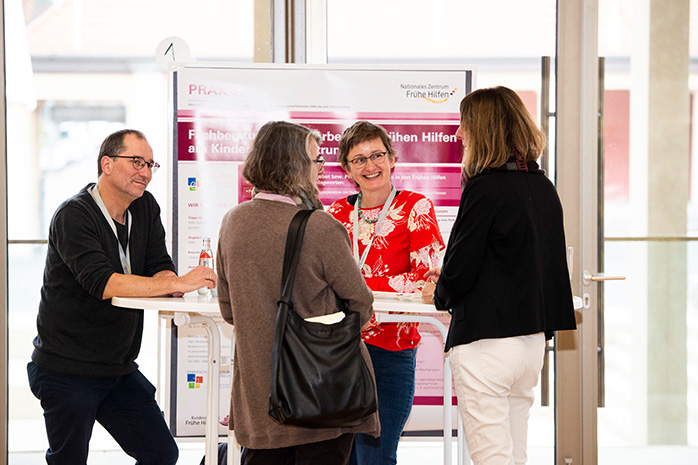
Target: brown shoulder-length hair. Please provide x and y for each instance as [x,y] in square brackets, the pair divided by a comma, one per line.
[279,160]
[497,123]
[360,132]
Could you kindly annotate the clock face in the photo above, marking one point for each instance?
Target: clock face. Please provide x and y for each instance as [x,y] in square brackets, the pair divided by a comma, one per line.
[172,54]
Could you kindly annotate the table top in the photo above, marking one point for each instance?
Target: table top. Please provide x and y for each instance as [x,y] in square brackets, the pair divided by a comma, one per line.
[193,302]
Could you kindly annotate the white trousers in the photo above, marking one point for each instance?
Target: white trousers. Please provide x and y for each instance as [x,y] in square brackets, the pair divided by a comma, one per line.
[494,381]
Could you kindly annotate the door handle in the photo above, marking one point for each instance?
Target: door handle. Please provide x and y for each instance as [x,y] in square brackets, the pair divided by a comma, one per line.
[589,278]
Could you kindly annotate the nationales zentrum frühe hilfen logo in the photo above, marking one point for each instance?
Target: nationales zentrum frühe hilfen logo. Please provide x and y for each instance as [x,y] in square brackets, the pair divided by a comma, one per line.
[434,93]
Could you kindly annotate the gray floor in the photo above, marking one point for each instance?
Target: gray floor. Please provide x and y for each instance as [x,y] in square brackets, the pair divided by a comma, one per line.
[417,452]
[411,452]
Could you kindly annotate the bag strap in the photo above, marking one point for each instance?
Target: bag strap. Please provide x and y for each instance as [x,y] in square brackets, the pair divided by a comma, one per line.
[294,239]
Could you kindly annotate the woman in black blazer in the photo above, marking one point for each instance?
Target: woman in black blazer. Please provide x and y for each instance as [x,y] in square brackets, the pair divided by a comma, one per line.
[504,276]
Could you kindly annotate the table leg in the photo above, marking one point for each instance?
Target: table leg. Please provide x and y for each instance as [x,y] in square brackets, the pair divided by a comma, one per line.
[448,386]
[213,388]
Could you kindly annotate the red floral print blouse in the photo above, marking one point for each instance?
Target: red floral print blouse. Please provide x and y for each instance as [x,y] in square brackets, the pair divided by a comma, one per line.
[407,243]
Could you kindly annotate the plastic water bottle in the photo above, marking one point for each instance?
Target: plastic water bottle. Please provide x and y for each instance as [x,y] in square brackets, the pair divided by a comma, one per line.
[206,259]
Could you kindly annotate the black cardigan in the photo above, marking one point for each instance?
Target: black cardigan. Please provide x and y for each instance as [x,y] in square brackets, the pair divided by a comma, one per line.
[505,269]
[78,332]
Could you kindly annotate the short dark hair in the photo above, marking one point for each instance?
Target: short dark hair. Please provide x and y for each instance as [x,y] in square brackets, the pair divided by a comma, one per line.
[359,132]
[114,145]
[279,160]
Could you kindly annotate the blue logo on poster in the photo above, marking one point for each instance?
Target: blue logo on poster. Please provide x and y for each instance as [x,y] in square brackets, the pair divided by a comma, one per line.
[193,184]
[191,377]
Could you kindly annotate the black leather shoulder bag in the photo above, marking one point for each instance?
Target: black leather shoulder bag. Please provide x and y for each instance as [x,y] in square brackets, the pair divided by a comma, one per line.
[319,378]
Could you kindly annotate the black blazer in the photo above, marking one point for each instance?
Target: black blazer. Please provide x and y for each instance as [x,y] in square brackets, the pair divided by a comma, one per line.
[505,268]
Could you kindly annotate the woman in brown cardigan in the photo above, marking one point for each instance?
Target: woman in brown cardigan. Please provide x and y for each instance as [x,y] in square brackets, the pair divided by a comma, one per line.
[282,166]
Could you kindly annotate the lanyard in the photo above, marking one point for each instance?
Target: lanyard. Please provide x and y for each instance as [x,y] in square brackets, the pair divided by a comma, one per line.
[355,220]
[125,257]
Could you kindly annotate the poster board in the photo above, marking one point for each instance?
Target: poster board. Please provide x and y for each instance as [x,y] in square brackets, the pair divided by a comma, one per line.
[218,109]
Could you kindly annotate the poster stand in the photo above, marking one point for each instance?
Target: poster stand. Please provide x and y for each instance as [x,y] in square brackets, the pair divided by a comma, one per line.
[217,109]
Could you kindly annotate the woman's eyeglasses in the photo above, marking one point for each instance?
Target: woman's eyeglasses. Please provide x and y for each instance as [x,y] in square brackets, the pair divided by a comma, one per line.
[376,158]
[139,163]
[320,162]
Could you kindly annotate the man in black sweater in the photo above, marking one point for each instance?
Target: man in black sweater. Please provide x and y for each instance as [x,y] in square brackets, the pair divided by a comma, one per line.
[106,241]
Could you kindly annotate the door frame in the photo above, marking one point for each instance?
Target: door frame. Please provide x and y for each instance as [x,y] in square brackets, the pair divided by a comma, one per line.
[3,251]
[576,393]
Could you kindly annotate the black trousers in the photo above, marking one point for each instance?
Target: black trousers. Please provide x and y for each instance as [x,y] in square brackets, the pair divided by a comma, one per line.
[331,452]
[124,405]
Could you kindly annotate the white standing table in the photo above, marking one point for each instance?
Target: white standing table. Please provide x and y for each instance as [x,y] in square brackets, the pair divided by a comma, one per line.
[193,309]
[396,307]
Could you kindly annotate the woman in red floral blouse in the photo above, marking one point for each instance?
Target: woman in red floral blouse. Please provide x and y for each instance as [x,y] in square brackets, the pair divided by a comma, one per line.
[396,239]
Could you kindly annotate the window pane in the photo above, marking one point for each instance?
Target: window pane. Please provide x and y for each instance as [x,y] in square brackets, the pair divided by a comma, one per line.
[651,340]
[507,50]
[26,265]
[77,71]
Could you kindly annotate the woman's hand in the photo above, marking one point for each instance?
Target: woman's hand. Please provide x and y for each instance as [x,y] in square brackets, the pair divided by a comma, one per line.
[432,276]
[428,292]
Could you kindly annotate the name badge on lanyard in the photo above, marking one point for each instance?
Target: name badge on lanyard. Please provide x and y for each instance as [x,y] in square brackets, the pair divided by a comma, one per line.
[355,220]
[124,256]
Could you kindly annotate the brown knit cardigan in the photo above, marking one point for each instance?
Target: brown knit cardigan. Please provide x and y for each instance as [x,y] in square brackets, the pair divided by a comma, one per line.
[250,256]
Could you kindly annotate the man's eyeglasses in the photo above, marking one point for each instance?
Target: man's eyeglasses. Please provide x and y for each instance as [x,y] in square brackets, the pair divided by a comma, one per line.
[320,162]
[139,163]
[376,158]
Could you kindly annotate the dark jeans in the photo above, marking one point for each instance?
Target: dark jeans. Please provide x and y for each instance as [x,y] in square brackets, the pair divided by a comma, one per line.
[395,385]
[124,405]
[332,452]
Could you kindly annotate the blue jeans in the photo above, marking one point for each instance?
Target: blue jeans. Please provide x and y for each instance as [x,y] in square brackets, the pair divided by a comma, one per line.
[395,385]
[124,405]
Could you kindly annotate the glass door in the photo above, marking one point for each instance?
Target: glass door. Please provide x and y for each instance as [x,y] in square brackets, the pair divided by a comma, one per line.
[506,49]
[648,411]
[626,174]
